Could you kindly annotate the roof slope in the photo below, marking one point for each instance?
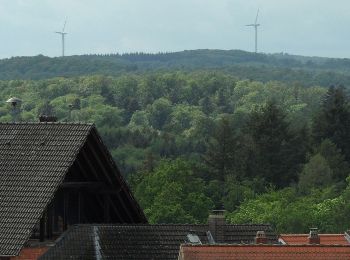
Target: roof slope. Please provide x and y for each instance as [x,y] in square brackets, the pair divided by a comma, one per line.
[325,239]
[264,252]
[139,241]
[34,160]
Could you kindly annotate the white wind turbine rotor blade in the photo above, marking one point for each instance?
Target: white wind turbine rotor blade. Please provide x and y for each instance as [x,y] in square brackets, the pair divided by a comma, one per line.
[256,19]
[64,26]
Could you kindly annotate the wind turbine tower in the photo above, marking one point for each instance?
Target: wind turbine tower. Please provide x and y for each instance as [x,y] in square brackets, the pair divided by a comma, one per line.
[255,25]
[63,34]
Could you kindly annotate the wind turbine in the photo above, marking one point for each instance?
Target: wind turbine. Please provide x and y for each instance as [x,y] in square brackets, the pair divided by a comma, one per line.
[255,25]
[63,34]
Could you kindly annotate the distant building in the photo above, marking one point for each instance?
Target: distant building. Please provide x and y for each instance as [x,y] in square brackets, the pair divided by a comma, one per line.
[264,252]
[53,176]
[146,242]
[290,247]
[323,239]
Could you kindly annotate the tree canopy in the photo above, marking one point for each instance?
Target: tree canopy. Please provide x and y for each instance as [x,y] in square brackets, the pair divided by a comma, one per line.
[192,141]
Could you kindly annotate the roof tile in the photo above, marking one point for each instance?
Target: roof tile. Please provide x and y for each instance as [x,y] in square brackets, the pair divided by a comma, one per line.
[325,239]
[264,252]
[136,242]
[34,158]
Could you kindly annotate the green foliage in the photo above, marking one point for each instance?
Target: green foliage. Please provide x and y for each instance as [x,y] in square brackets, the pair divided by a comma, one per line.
[236,192]
[333,120]
[239,146]
[159,112]
[292,213]
[316,174]
[173,194]
[139,121]
[129,157]
[220,156]
[335,159]
[305,71]
[272,154]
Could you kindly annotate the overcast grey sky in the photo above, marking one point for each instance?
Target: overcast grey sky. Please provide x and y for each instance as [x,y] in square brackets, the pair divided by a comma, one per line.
[306,27]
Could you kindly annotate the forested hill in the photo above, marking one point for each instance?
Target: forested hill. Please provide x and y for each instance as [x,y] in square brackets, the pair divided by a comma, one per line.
[306,71]
[191,141]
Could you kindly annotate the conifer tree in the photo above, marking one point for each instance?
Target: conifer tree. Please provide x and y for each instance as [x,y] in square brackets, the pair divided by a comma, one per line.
[335,159]
[272,155]
[220,157]
[333,120]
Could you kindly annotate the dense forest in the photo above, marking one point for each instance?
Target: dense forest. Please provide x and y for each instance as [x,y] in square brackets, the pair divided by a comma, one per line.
[305,71]
[190,140]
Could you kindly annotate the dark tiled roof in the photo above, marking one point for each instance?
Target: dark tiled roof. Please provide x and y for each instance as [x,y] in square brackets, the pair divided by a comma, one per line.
[264,252]
[139,241]
[34,159]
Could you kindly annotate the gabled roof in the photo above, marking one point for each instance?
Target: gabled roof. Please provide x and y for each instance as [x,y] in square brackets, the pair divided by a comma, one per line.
[325,239]
[34,160]
[136,242]
[264,252]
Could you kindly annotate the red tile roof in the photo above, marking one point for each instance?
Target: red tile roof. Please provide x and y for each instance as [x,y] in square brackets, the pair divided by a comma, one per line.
[325,239]
[264,252]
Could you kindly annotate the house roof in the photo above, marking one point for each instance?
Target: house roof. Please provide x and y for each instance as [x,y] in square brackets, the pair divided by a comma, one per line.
[264,252]
[140,241]
[34,160]
[325,239]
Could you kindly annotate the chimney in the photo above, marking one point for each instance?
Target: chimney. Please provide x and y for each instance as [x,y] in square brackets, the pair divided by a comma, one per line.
[313,237]
[217,225]
[261,238]
[347,235]
[44,118]
[15,108]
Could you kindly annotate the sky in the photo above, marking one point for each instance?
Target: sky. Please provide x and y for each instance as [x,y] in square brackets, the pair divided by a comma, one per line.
[303,27]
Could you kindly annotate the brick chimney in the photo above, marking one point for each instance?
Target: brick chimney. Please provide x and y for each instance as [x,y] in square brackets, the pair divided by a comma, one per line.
[217,225]
[261,238]
[313,237]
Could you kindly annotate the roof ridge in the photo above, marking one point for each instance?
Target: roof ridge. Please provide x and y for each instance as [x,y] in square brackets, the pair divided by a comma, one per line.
[320,234]
[160,225]
[136,224]
[264,245]
[47,123]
